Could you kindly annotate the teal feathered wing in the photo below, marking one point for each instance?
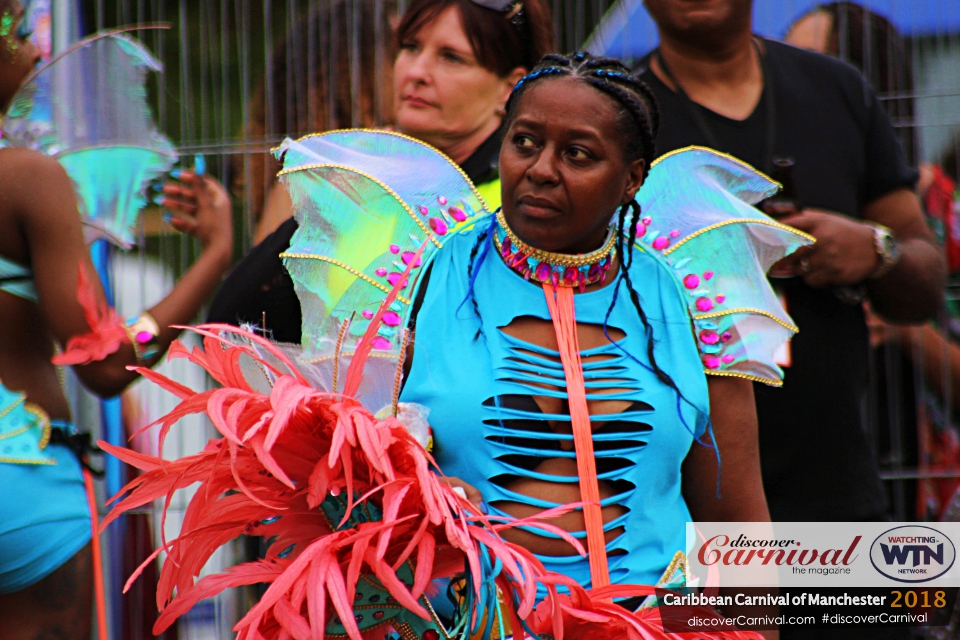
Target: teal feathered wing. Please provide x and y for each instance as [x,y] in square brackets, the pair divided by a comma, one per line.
[88,108]
[366,201]
[699,220]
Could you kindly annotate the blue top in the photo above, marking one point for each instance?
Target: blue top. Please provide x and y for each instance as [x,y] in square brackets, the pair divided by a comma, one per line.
[488,430]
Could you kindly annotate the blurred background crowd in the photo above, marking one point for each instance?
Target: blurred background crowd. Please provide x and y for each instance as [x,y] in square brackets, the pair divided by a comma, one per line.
[241,75]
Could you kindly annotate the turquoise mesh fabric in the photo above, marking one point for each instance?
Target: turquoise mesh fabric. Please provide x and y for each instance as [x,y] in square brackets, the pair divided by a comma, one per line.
[697,218]
[88,108]
[365,202]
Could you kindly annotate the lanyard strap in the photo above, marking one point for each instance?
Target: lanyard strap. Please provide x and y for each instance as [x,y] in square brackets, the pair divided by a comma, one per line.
[563,313]
[701,123]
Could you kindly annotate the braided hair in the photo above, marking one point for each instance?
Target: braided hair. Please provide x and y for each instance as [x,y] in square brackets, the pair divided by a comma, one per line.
[640,116]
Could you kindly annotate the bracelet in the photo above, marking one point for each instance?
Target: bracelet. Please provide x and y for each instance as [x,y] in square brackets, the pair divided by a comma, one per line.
[143,331]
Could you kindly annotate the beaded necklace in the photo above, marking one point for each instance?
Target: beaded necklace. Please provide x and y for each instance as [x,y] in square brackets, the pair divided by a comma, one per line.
[558,269]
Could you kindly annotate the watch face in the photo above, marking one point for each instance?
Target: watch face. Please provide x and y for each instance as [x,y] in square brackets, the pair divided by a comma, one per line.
[889,244]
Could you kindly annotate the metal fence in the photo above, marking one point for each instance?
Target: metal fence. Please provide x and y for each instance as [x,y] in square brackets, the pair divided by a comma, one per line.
[242,74]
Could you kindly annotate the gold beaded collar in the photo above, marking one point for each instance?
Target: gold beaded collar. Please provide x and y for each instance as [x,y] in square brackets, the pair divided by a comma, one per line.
[558,268]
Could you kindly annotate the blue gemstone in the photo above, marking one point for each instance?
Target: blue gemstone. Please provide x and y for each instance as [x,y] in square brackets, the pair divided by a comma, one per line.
[270,520]
[287,551]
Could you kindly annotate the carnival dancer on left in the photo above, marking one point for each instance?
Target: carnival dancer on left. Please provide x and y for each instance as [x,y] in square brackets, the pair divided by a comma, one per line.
[54,183]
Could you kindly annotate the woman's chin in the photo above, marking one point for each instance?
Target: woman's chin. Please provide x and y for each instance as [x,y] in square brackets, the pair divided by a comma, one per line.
[420,123]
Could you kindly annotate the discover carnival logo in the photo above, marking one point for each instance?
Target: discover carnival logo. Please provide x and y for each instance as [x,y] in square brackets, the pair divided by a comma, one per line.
[912,553]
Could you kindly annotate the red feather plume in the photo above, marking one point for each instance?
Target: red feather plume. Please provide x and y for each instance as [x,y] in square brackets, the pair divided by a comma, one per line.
[107,329]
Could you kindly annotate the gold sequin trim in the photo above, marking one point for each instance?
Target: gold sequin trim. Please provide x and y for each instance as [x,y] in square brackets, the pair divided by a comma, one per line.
[769,223]
[14,434]
[41,415]
[719,154]
[718,314]
[734,374]
[42,463]
[561,259]
[679,560]
[342,265]
[396,134]
[17,403]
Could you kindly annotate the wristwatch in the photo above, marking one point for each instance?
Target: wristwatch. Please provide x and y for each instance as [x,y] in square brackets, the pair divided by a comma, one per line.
[886,247]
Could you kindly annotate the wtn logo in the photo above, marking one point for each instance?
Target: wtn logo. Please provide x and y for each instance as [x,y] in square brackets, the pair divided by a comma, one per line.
[899,554]
[912,554]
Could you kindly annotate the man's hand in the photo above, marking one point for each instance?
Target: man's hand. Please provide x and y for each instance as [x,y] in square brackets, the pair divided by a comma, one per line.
[844,253]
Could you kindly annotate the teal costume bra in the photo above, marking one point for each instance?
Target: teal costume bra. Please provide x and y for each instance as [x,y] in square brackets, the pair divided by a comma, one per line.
[17,279]
[367,201]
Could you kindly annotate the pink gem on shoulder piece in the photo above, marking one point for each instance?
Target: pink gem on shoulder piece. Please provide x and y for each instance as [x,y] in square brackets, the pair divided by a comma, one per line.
[704,304]
[709,336]
[391,318]
[661,243]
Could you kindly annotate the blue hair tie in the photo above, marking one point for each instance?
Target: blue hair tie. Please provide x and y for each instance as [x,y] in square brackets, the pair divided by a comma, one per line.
[549,71]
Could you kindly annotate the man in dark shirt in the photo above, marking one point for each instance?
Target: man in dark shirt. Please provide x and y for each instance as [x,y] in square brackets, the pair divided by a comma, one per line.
[719,85]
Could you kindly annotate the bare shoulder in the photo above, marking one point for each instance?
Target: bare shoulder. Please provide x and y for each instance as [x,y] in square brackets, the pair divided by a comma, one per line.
[30,182]
[26,170]
[37,199]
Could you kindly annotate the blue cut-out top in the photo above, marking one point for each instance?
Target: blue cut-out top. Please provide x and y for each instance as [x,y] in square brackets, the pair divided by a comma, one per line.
[489,430]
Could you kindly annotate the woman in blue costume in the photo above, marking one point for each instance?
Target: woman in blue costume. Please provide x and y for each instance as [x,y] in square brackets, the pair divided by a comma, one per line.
[591,341]
[486,361]
[45,526]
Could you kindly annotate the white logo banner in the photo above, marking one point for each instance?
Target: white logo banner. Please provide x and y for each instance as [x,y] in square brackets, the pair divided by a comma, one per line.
[824,554]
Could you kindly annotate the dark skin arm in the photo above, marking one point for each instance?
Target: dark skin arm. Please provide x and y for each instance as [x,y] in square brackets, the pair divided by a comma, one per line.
[844,254]
[735,433]
[734,417]
[50,227]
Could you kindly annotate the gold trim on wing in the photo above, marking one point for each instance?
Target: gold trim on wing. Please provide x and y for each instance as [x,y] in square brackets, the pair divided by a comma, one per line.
[413,216]
[719,314]
[773,382]
[342,265]
[719,154]
[453,164]
[717,225]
